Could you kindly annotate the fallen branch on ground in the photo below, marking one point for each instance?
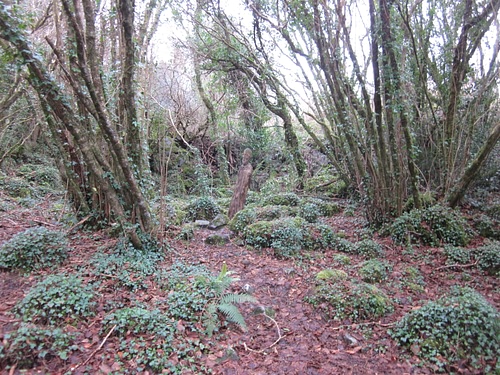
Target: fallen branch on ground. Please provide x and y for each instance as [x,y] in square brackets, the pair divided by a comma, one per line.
[273,344]
[95,351]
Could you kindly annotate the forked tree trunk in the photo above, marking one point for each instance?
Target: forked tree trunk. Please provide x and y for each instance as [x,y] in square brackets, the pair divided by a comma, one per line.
[241,188]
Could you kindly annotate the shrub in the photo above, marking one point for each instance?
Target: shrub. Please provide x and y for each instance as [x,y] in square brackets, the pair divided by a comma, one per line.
[34,249]
[430,226]
[488,257]
[374,271]
[16,187]
[459,327]
[342,259]
[413,279]
[40,175]
[282,199]
[259,234]
[343,245]
[57,299]
[310,212]
[487,227]
[144,324]
[368,249]
[343,299]
[318,237]
[327,182]
[202,208]
[29,343]
[287,237]
[457,255]
[130,266]
[324,207]
[242,219]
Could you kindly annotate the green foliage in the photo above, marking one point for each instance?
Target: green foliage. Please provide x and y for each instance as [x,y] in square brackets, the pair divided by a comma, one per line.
[368,249]
[344,246]
[56,300]
[41,175]
[242,219]
[202,208]
[342,259]
[259,234]
[331,274]
[344,299]
[318,237]
[325,182]
[196,293]
[374,271]
[487,227]
[413,280]
[16,187]
[459,327]
[457,255]
[131,267]
[186,233]
[488,257]
[34,249]
[430,226]
[287,237]
[325,207]
[143,323]
[29,343]
[282,199]
[224,302]
[310,212]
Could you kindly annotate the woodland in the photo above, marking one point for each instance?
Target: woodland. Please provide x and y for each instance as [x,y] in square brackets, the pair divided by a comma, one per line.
[249,187]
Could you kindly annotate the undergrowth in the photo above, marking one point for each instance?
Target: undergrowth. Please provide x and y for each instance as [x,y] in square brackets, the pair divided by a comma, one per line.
[461,327]
[34,249]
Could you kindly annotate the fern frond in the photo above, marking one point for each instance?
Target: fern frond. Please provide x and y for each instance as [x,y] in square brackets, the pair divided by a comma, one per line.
[233,314]
[233,298]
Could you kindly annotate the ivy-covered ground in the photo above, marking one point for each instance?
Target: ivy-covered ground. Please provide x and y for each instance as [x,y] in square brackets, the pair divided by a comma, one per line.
[109,310]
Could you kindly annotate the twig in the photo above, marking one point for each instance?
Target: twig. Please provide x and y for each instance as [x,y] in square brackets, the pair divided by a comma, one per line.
[273,344]
[458,265]
[79,223]
[44,223]
[95,351]
[363,324]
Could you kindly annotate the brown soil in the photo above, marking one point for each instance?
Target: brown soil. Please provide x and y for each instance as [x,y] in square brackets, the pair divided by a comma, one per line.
[298,340]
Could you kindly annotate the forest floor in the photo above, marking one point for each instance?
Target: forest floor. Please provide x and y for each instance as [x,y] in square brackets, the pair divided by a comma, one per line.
[297,340]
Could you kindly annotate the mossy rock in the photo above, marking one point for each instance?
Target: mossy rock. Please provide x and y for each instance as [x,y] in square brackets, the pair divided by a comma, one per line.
[217,239]
[325,182]
[344,299]
[242,219]
[331,275]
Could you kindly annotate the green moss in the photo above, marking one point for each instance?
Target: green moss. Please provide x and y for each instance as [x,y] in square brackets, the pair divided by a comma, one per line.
[374,271]
[331,274]
[282,199]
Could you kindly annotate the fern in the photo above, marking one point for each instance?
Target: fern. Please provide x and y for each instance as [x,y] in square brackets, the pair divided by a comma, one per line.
[232,314]
[224,302]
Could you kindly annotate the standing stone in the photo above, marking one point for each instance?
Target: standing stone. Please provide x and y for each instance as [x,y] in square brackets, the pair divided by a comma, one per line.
[241,188]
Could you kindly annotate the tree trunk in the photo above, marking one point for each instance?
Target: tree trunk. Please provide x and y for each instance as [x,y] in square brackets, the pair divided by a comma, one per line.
[472,171]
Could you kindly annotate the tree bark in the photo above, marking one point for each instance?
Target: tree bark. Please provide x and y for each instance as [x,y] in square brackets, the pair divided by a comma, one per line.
[472,171]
